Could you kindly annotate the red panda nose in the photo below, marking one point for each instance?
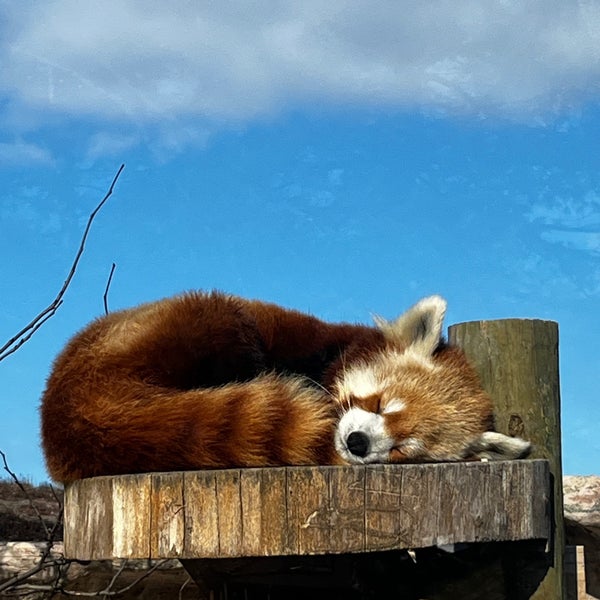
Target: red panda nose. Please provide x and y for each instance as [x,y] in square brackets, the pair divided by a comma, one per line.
[358,443]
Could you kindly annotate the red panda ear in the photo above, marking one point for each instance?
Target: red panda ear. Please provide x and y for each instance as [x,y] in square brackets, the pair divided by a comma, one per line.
[419,328]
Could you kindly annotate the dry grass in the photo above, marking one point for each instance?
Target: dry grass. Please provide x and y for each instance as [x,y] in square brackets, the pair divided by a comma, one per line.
[19,508]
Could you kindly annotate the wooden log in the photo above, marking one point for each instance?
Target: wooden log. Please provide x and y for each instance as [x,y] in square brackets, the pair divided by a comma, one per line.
[517,361]
[305,510]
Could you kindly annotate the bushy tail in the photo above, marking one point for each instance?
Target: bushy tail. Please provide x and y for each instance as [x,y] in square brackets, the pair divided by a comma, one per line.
[132,426]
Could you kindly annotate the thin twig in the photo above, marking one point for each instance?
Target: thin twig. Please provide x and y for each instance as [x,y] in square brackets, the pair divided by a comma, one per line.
[113,581]
[25,493]
[105,297]
[17,579]
[184,585]
[105,592]
[56,497]
[46,560]
[27,332]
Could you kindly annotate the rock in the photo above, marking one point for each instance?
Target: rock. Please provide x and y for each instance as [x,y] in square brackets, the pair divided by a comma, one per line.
[168,581]
[582,500]
[582,524]
[20,557]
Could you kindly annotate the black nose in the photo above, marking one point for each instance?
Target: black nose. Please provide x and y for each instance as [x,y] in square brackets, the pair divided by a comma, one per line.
[358,443]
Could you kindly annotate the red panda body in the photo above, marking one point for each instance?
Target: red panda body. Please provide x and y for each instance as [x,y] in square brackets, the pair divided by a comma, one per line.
[207,380]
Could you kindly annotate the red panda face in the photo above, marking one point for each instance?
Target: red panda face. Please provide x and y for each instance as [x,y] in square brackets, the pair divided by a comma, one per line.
[415,401]
[402,407]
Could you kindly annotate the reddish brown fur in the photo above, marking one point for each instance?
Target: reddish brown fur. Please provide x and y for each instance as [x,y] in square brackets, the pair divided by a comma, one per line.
[444,409]
[200,380]
[209,380]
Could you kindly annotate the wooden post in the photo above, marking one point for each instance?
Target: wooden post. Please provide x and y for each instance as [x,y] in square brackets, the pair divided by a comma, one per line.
[517,361]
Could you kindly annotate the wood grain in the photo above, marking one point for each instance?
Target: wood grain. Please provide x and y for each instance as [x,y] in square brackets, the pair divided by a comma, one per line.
[305,510]
[517,362]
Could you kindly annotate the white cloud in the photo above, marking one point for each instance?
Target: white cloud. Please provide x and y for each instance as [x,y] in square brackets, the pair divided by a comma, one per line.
[150,61]
[574,223]
[21,153]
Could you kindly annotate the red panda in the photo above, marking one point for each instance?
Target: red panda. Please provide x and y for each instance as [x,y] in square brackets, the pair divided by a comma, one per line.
[209,380]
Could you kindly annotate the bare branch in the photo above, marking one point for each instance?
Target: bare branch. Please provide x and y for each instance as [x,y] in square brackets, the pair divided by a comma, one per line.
[105,297]
[19,584]
[106,592]
[15,582]
[13,344]
[109,592]
[113,581]
[184,585]
[25,493]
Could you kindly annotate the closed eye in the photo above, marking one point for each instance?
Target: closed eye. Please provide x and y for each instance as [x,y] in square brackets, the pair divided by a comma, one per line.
[393,406]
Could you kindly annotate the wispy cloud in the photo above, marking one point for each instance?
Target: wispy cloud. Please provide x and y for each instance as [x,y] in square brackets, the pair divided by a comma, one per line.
[571,222]
[142,62]
[569,211]
[21,153]
[110,144]
[23,211]
[578,240]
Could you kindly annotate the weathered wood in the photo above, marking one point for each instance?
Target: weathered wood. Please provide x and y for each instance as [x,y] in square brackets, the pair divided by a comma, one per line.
[166,515]
[517,361]
[131,511]
[305,510]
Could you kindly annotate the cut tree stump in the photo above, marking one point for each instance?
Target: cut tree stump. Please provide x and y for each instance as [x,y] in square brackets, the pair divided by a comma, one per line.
[305,510]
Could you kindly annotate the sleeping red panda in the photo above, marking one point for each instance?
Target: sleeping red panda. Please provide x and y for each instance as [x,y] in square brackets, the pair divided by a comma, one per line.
[208,380]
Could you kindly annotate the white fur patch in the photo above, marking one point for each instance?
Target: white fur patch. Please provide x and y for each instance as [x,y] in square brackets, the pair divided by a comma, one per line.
[370,424]
[497,446]
[394,406]
[359,382]
[412,357]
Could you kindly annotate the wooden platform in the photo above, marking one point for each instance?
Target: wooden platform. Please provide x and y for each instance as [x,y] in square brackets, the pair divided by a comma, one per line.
[306,510]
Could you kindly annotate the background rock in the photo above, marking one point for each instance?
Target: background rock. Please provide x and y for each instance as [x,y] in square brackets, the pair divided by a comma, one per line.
[582,523]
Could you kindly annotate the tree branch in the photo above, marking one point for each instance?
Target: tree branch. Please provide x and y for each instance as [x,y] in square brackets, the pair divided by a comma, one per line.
[108,591]
[20,338]
[105,297]
[25,493]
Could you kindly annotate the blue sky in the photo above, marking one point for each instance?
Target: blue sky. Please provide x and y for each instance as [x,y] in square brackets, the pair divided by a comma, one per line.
[339,158]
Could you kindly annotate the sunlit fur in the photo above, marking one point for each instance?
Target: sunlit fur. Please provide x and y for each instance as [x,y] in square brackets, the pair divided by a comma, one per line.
[428,400]
[207,380]
[431,409]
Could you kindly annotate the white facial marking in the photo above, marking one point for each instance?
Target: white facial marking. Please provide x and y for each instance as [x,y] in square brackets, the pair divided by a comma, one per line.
[360,382]
[370,424]
[394,406]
